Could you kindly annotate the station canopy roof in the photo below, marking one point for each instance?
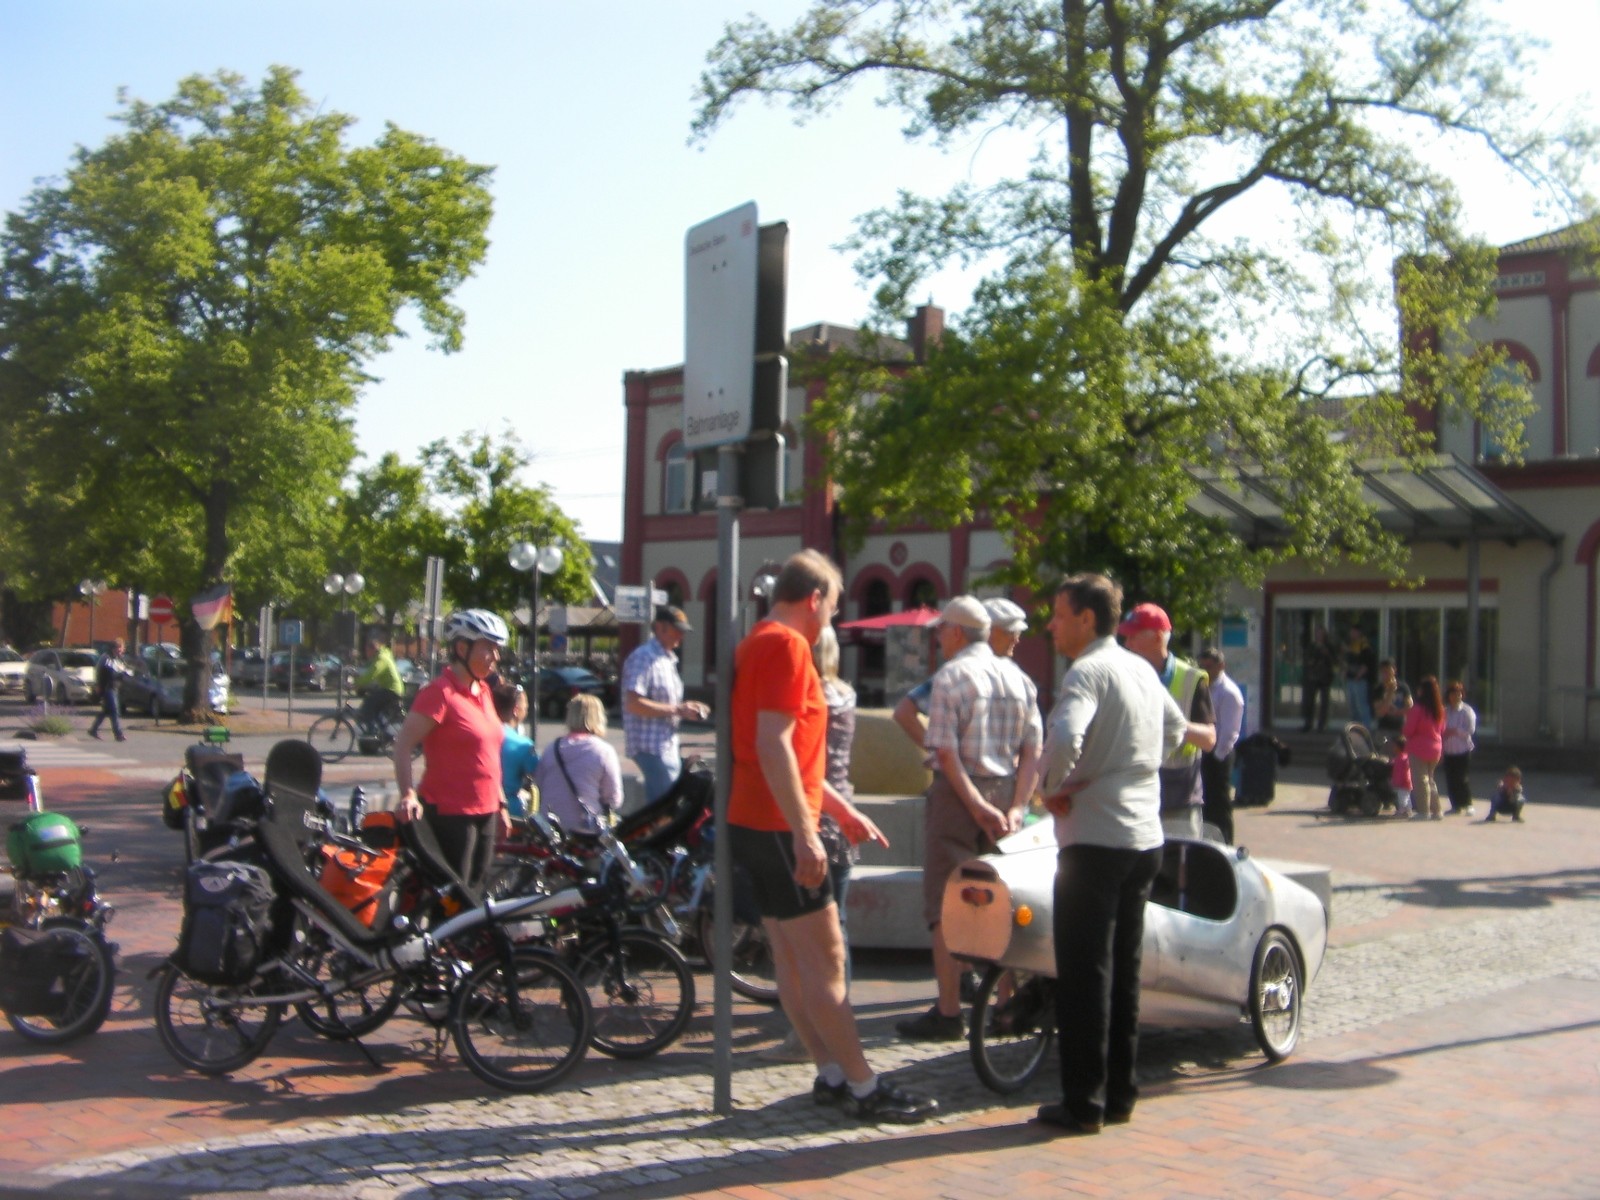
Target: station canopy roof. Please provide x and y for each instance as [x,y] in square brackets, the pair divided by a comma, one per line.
[1442,500]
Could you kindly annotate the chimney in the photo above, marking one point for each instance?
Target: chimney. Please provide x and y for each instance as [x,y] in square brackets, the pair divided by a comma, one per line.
[924,330]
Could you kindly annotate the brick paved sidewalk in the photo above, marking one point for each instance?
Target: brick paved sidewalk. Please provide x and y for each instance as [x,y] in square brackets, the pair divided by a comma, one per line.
[1452,1049]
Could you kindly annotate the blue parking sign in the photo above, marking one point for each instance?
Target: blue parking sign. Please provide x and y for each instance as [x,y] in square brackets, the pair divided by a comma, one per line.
[289,633]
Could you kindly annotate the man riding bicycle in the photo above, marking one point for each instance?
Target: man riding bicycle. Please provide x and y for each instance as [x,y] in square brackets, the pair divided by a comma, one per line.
[381,688]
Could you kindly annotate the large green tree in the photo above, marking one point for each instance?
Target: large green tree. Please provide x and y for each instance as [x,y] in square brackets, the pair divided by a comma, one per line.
[489,508]
[1226,202]
[185,323]
[389,528]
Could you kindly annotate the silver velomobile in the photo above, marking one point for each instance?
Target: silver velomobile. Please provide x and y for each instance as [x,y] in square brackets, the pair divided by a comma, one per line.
[1225,938]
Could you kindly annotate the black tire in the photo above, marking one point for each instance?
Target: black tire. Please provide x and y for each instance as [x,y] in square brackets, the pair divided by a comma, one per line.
[641,992]
[351,1012]
[191,835]
[1370,803]
[333,736]
[1011,1041]
[86,990]
[754,976]
[1277,987]
[212,1030]
[535,1042]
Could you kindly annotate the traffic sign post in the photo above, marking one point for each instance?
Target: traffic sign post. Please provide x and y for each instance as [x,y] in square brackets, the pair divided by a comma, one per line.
[735,385]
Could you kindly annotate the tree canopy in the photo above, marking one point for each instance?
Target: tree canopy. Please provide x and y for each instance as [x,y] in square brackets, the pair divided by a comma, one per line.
[185,322]
[489,509]
[1202,266]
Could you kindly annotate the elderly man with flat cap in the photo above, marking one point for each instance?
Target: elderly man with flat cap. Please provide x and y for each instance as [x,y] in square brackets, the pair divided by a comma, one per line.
[984,736]
[1146,631]
[653,703]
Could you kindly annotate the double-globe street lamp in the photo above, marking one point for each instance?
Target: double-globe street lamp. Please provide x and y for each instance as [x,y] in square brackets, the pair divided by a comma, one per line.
[525,556]
[343,586]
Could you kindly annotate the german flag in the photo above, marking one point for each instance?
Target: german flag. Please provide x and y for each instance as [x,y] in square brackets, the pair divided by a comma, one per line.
[213,606]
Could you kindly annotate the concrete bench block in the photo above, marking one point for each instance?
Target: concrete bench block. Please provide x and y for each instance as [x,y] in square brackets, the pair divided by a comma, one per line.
[901,819]
[885,909]
[883,759]
[1315,877]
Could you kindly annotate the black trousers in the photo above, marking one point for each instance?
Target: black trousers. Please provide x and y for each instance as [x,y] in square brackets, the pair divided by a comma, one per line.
[1456,784]
[1309,696]
[1216,787]
[468,842]
[1100,895]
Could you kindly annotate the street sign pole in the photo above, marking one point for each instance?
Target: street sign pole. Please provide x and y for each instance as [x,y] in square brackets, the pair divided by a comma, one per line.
[729,505]
[734,390]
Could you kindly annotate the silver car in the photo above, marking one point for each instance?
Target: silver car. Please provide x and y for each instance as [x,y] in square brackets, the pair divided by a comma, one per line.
[61,676]
[1226,938]
[13,670]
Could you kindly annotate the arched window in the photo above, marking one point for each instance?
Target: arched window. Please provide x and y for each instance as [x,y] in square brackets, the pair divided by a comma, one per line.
[922,593]
[1520,368]
[875,602]
[675,479]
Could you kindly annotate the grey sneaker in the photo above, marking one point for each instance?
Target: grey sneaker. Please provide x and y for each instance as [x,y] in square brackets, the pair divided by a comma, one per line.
[892,1104]
[932,1026]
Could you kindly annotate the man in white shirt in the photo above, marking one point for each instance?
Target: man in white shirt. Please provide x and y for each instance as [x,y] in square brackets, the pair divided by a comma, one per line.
[1110,729]
[983,743]
[1216,764]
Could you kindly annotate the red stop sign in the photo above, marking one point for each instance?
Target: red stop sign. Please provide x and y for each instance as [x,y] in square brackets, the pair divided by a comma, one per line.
[161,609]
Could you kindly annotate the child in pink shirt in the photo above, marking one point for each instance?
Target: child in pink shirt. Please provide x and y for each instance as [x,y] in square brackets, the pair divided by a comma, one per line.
[1400,778]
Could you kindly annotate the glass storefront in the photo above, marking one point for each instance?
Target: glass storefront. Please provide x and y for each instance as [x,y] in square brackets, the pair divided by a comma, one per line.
[1423,634]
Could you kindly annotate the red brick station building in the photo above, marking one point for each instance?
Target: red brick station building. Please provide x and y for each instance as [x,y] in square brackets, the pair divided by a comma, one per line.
[1515,547]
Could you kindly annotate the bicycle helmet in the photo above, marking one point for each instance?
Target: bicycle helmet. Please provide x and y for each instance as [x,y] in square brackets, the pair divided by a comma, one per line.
[476,624]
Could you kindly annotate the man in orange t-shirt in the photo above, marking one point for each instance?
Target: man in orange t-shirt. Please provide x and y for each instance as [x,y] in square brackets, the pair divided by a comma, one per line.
[775,797]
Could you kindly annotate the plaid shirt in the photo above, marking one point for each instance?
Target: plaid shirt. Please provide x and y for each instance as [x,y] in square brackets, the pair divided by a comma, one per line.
[986,709]
[652,672]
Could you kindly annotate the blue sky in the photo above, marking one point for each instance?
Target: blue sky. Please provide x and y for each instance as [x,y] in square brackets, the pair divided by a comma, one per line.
[584,110]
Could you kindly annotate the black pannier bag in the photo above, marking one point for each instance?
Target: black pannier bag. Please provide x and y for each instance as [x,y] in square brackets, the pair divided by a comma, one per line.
[34,965]
[226,921]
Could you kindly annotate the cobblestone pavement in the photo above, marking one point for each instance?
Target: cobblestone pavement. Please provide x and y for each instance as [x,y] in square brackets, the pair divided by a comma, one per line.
[1505,923]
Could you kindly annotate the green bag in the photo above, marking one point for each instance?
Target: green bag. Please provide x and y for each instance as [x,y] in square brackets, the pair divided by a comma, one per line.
[44,844]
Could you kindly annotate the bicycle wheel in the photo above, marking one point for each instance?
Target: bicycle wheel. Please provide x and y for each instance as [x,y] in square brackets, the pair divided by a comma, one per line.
[1011,1034]
[351,1012]
[524,1028]
[334,736]
[640,990]
[754,977]
[86,988]
[212,1030]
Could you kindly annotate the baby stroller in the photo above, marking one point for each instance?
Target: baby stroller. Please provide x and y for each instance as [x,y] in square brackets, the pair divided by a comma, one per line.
[1360,775]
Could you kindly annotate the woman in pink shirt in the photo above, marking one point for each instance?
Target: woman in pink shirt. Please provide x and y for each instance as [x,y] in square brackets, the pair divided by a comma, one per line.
[454,720]
[1424,733]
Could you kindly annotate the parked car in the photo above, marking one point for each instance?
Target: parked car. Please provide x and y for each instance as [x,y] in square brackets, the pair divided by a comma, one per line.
[159,676]
[558,685]
[60,676]
[155,685]
[13,670]
[1226,939]
[249,669]
[312,672]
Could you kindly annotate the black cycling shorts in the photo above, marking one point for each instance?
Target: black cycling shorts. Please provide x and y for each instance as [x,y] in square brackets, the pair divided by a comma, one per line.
[765,860]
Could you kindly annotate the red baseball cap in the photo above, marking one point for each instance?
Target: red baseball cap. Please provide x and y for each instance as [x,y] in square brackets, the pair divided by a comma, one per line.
[1145,616]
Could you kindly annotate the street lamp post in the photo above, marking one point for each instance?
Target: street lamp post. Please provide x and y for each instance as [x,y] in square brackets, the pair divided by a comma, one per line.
[525,556]
[91,589]
[343,586]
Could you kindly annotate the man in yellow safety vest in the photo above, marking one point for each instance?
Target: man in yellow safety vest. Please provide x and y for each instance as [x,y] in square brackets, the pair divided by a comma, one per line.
[1147,630]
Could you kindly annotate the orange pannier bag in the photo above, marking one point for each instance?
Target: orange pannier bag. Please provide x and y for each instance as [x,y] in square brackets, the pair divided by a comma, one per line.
[357,879]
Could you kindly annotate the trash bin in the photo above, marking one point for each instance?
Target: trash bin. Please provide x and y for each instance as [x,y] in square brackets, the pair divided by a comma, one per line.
[1258,770]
